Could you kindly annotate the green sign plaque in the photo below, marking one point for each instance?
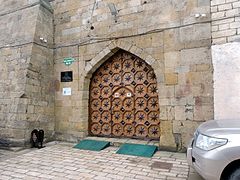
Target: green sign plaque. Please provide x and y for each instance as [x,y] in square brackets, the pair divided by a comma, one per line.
[68,61]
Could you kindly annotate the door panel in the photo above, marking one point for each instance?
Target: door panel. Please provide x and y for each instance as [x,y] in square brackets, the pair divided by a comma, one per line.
[124,99]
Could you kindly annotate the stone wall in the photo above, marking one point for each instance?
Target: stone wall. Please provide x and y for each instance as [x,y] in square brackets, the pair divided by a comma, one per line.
[225,21]
[174,37]
[26,71]
[12,5]
[180,39]
[40,84]
[166,34]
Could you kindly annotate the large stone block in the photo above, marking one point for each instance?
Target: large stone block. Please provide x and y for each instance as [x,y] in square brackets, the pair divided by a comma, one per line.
[196,56]
[203,112]
[171,78]
[172,41]
[172,59]
[179,127]
[167,139]
[197,32]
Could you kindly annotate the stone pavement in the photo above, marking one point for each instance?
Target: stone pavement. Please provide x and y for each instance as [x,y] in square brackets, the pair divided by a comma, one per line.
[61,161]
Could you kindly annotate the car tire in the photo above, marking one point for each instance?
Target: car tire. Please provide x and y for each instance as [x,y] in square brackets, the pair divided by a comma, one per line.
[235,175]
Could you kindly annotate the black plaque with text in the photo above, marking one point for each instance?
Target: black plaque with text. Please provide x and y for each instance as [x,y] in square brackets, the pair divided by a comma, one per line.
[67,76]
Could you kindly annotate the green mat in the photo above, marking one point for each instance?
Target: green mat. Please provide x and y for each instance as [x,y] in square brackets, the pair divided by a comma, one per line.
[92,145]
[137,150]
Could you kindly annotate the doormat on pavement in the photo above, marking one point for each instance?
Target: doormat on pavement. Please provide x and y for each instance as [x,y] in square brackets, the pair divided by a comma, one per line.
[137,150]
[92,145]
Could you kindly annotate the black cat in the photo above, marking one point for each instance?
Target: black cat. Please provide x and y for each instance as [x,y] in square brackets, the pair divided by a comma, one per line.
[37,137]
[34,138]
[40,138]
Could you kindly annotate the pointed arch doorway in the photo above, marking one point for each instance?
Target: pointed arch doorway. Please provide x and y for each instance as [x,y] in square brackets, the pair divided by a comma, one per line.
[124,99]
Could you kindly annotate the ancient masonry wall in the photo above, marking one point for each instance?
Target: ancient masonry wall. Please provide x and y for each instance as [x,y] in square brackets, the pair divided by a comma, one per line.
[166,34]
[225,21]
[26,70]
[173,36]
[226,57]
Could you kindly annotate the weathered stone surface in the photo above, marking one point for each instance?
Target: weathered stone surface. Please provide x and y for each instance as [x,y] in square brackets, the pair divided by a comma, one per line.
[26,71]
[167,139]
[165,34]
[171,78]
[225,24]
[226,82]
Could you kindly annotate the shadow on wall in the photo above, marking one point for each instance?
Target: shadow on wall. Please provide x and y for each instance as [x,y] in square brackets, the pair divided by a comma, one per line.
[4,144]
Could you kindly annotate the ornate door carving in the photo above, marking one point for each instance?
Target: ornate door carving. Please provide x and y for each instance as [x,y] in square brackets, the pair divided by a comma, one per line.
[124,99]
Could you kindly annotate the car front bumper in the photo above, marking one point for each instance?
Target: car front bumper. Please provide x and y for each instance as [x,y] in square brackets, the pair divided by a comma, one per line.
[208,164]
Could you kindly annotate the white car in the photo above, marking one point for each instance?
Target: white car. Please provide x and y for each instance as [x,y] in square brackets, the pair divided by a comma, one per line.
[214,152]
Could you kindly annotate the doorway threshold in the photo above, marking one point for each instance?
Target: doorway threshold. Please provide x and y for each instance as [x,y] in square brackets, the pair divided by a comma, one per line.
[119,141]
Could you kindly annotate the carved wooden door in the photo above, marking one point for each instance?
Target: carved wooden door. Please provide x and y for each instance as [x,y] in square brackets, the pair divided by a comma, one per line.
[124,99]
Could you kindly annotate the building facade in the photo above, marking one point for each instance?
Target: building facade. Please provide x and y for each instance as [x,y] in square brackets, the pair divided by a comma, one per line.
[145,69]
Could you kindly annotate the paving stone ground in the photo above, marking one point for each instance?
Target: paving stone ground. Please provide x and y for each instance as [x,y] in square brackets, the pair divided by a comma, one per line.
[61,161]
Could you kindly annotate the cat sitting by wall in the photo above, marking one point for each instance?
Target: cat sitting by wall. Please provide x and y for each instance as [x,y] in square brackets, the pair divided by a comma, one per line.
[37,137]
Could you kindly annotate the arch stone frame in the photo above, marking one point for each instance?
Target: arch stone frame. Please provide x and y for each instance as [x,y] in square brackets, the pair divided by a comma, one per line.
[166,134]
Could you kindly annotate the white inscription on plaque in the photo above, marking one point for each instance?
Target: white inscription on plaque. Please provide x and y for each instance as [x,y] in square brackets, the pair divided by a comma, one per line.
[67,91]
